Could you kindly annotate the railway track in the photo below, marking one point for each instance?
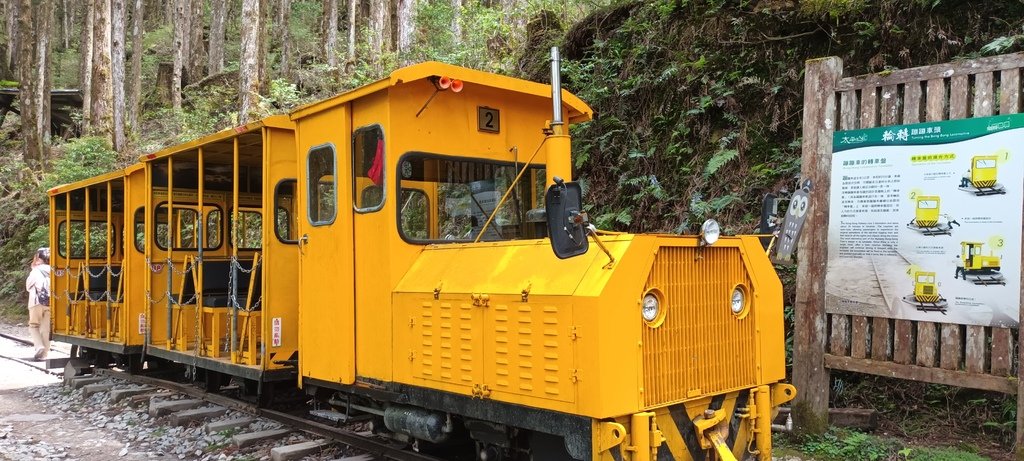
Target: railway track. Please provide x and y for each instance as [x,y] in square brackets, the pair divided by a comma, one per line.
[143,389]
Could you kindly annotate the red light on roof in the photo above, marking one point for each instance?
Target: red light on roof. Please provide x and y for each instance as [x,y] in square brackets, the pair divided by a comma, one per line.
[457,86]
[240,129]
[150,156]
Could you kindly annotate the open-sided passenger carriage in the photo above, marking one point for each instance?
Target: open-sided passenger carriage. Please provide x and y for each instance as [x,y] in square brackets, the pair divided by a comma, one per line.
[96,281]
[210,296]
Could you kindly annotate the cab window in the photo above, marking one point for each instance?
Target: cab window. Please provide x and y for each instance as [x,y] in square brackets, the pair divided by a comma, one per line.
[450,198]
[322,197]
[368,160]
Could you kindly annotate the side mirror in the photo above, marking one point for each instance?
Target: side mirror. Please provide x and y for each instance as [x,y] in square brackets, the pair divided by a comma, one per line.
[567,223]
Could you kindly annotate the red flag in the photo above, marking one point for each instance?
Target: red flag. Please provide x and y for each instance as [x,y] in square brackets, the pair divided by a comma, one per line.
[376,172]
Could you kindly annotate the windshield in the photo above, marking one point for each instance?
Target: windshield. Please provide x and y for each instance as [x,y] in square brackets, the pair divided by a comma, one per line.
[985,163]
[450,198]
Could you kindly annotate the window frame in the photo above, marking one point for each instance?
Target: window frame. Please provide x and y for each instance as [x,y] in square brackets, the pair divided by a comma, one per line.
[383,174]
[398,192]
[295,191]
[135,223]
[309,189]
[231,225]
[195,207]
[112,233]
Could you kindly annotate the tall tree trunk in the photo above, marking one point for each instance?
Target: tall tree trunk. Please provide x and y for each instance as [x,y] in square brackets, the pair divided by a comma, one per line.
[351,56]
[13,45]
[85,48]
[66,28]
[404,24]
[284,37]
[179,54]
[34,22]
[457,21]
[32,150]
[43,39]
[248,72]
[330,32]
[135,80]
[196,52]
[117,36]
[218,17]
[262,47]
[5,45]
[102,85]
[171,10]
[379,36]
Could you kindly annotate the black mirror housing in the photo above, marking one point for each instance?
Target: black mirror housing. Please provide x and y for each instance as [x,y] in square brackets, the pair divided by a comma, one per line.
[567,223]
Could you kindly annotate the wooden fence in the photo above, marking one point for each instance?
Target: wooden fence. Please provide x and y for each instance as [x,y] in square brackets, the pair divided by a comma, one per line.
[960,355]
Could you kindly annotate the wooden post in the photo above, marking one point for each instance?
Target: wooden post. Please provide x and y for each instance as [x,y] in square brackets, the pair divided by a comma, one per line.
[810,410]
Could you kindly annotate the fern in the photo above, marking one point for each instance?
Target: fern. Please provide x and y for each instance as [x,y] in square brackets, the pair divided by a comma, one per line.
[719,160]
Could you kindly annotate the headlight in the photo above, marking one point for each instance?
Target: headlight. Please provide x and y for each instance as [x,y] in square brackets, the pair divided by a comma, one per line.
[710,231]
[739,299]
[651,308]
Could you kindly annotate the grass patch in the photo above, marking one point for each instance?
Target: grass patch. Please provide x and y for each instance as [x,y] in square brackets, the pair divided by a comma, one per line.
[13,313]
[843,445]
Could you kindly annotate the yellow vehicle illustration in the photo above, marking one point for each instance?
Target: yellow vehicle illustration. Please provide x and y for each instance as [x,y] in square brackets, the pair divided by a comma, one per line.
[980,179]
[928,220]
[979,269]
[926,295]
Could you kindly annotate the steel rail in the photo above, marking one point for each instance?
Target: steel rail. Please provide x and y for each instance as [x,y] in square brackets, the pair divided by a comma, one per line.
[381,449]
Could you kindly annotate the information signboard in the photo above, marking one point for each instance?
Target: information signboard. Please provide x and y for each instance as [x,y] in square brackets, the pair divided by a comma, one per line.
[925,221]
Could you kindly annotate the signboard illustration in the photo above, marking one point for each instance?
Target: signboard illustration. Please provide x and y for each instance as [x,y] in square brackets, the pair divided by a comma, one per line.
[925,221]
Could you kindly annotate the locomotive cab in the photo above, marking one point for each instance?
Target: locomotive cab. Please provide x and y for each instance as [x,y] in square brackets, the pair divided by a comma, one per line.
[432,301]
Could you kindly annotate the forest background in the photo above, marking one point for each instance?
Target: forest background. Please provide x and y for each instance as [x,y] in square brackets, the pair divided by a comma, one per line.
[697,105]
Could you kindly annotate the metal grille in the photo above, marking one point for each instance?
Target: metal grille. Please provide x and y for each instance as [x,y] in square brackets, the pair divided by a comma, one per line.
[928,290]
[701,348]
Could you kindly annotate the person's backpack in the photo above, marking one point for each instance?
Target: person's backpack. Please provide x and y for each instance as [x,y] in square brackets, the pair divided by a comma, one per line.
[43,296]
[43,292]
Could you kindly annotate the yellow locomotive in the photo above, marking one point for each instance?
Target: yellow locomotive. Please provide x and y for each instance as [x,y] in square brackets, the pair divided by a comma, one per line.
[981,178]
[926,295]
[408,226]
[978,268]
[928,219]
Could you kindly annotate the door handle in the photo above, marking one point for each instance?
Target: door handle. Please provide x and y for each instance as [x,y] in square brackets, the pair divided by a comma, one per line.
[304,239]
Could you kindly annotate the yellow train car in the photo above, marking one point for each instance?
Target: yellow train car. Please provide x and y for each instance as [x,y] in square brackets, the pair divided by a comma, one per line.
[927,214]
[925,288]
[96,275]
[981,178]
[220,278]
[432,302]
[978,268]
[984,170]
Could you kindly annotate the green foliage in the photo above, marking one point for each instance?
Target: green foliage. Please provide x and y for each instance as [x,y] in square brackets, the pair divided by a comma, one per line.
[843,445]
[1002,44]
[79,159]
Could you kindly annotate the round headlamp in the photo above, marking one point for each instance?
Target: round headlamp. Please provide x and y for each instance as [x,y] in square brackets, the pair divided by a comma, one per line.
[738,301]
[709,232]
[650,308]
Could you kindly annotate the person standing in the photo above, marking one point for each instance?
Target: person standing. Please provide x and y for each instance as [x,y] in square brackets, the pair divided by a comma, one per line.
[38,287]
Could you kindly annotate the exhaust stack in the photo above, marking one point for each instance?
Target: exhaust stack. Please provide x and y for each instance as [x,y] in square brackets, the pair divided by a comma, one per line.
[556,87]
